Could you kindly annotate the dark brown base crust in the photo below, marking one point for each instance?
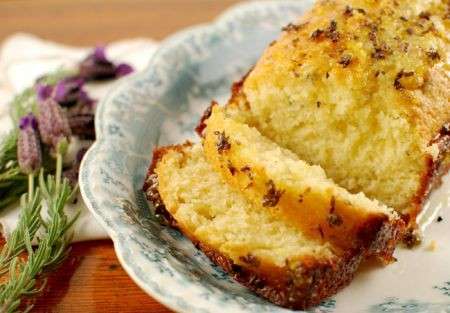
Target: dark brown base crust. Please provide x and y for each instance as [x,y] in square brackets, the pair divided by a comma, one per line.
[296,286]
[431,179]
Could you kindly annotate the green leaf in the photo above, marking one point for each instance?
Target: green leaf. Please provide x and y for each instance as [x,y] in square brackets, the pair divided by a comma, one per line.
[56,76]
[12,194]
[8,149]
[22,104]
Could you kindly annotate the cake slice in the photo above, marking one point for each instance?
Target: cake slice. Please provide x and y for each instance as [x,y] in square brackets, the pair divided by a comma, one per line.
[261,248]
[275,179]
[361,88]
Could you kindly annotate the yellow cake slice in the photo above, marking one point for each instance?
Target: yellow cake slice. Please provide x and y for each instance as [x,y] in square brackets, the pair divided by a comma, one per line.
[361,88]
[274,178]
[266,251]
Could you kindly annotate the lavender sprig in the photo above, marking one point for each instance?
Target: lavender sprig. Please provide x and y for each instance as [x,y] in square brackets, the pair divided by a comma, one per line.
[72,173]
[82,125]
[96,67]
[43,92]
[23,156]
[12,180]
[26,101]
[67,91]
[53,124]
[123,69]
[29,154]
[29,223]
[53,246]
[29,158]
[70,92]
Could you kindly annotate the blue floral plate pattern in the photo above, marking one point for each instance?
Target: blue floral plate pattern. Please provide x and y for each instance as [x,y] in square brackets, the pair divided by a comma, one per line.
[161,106]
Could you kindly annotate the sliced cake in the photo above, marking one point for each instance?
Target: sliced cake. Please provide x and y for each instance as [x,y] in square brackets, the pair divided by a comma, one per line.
[361,88]
[274,178]
[260,247]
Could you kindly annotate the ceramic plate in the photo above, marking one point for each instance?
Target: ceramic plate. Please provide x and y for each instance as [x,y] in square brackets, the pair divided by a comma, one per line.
[161,106]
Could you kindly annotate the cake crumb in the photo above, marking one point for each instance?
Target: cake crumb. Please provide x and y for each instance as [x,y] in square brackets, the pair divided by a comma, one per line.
[411,238]
[432,246]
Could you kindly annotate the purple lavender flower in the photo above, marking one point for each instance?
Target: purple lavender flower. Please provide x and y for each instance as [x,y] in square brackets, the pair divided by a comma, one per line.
[73,172]
[67,91]
[53,123]
[82,125]
[85,100]
[96,66]
[100,54]
[28,146]
[123,69]
[43,91]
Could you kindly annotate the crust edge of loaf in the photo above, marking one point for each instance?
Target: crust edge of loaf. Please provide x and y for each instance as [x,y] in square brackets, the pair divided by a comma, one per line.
[432,178]
[304,287]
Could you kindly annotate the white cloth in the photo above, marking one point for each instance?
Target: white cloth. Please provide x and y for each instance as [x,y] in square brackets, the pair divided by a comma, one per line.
[23,58]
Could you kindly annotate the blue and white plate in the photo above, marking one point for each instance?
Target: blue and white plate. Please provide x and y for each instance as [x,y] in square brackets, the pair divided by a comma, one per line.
[161,106]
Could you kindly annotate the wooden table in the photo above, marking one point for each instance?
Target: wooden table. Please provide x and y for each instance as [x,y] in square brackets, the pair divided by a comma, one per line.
[92,280]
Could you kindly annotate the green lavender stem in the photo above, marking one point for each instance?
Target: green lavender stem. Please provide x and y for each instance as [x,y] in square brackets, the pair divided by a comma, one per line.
[30,187]
[58,169]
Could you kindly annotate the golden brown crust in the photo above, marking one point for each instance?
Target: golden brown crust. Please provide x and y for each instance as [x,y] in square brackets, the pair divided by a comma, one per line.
[159,152]
[296,285]
[201,124]
[151,182]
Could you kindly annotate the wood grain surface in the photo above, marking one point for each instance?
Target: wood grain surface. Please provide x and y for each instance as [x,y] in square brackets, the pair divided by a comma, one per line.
[92,280]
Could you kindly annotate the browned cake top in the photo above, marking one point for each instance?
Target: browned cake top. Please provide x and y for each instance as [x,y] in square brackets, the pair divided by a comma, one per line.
[391,53]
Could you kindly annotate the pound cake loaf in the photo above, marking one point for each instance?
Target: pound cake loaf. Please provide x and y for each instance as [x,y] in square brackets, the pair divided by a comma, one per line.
[261,248]
[361,88]
[273,177]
